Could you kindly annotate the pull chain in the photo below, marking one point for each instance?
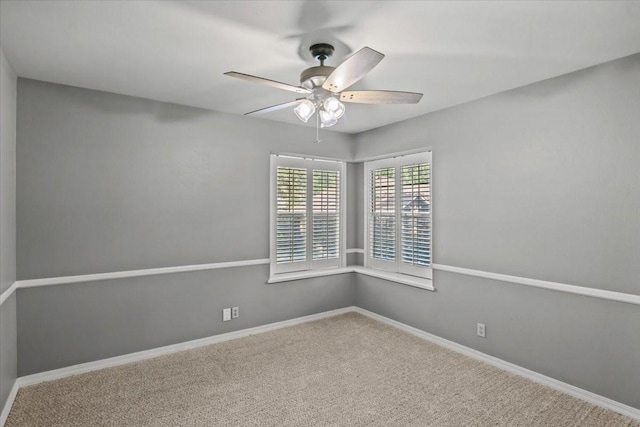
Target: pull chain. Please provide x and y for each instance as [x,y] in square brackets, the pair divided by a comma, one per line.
[317,129]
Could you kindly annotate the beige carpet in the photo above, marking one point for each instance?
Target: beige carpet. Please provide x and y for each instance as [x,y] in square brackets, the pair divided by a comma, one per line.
[346,370]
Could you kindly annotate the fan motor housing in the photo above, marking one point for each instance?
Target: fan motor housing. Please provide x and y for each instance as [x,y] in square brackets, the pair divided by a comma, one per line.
[315,76]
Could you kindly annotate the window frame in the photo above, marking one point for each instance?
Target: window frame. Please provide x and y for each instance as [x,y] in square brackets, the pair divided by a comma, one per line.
[396,266]
[309,266]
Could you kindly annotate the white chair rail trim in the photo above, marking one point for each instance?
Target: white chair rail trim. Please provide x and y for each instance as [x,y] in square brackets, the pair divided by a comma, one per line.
[6,294]
[355,251]
[542,284]
[136,273]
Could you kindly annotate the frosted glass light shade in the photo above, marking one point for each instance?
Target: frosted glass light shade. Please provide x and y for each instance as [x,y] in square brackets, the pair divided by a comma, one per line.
[326,119]
[334,107]
[305,110]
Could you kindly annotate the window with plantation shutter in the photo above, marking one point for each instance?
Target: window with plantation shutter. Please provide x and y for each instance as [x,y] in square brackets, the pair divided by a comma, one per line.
[307,214]
[398,223]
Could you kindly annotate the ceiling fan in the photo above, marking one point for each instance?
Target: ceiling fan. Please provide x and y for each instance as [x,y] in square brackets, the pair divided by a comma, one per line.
[324,86]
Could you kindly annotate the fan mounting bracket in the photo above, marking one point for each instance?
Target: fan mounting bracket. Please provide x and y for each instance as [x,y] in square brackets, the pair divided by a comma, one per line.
[321,52]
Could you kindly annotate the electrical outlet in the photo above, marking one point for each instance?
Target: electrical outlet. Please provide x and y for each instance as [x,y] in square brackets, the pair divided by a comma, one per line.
[226,314]
[235,312]
[481,330]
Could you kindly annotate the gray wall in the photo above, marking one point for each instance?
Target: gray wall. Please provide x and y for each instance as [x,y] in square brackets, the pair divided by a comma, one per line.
[110,183]
[7,174]
[540,182]
[7,227]
[62,326]
[8,348]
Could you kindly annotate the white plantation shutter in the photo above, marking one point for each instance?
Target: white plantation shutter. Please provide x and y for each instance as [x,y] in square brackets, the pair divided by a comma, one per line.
[415,237]
[326,214]
[382,215]
[291,216]
[307,214]
[399,214]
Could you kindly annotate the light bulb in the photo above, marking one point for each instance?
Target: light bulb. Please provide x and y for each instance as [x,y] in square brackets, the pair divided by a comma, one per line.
[326,119]
[305,110]
[334,107]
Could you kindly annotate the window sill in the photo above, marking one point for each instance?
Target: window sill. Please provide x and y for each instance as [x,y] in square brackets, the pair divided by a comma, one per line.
[297,275]
[405,279]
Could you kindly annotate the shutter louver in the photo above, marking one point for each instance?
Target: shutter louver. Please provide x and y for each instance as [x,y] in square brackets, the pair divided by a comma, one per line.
[382,225]
[416,215]
[291,226]
[326,214]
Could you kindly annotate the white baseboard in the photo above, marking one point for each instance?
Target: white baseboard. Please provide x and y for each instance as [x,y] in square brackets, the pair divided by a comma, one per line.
[147,354]
[9,403]
[569,389]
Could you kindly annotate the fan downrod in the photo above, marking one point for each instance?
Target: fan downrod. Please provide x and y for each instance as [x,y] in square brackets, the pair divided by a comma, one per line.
[321,52]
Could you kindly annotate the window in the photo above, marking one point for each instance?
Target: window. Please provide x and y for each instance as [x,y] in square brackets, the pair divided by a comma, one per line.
[398,222]
[307,214]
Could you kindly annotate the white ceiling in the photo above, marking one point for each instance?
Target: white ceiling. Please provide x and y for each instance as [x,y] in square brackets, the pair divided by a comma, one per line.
[453,52]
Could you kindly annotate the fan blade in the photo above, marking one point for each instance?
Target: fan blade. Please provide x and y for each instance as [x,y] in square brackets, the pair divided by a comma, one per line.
[352,69]
[275,107]
[380,97]
[272,83]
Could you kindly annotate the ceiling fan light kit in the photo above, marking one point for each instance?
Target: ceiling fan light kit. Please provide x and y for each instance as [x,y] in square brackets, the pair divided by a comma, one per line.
[324,86]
